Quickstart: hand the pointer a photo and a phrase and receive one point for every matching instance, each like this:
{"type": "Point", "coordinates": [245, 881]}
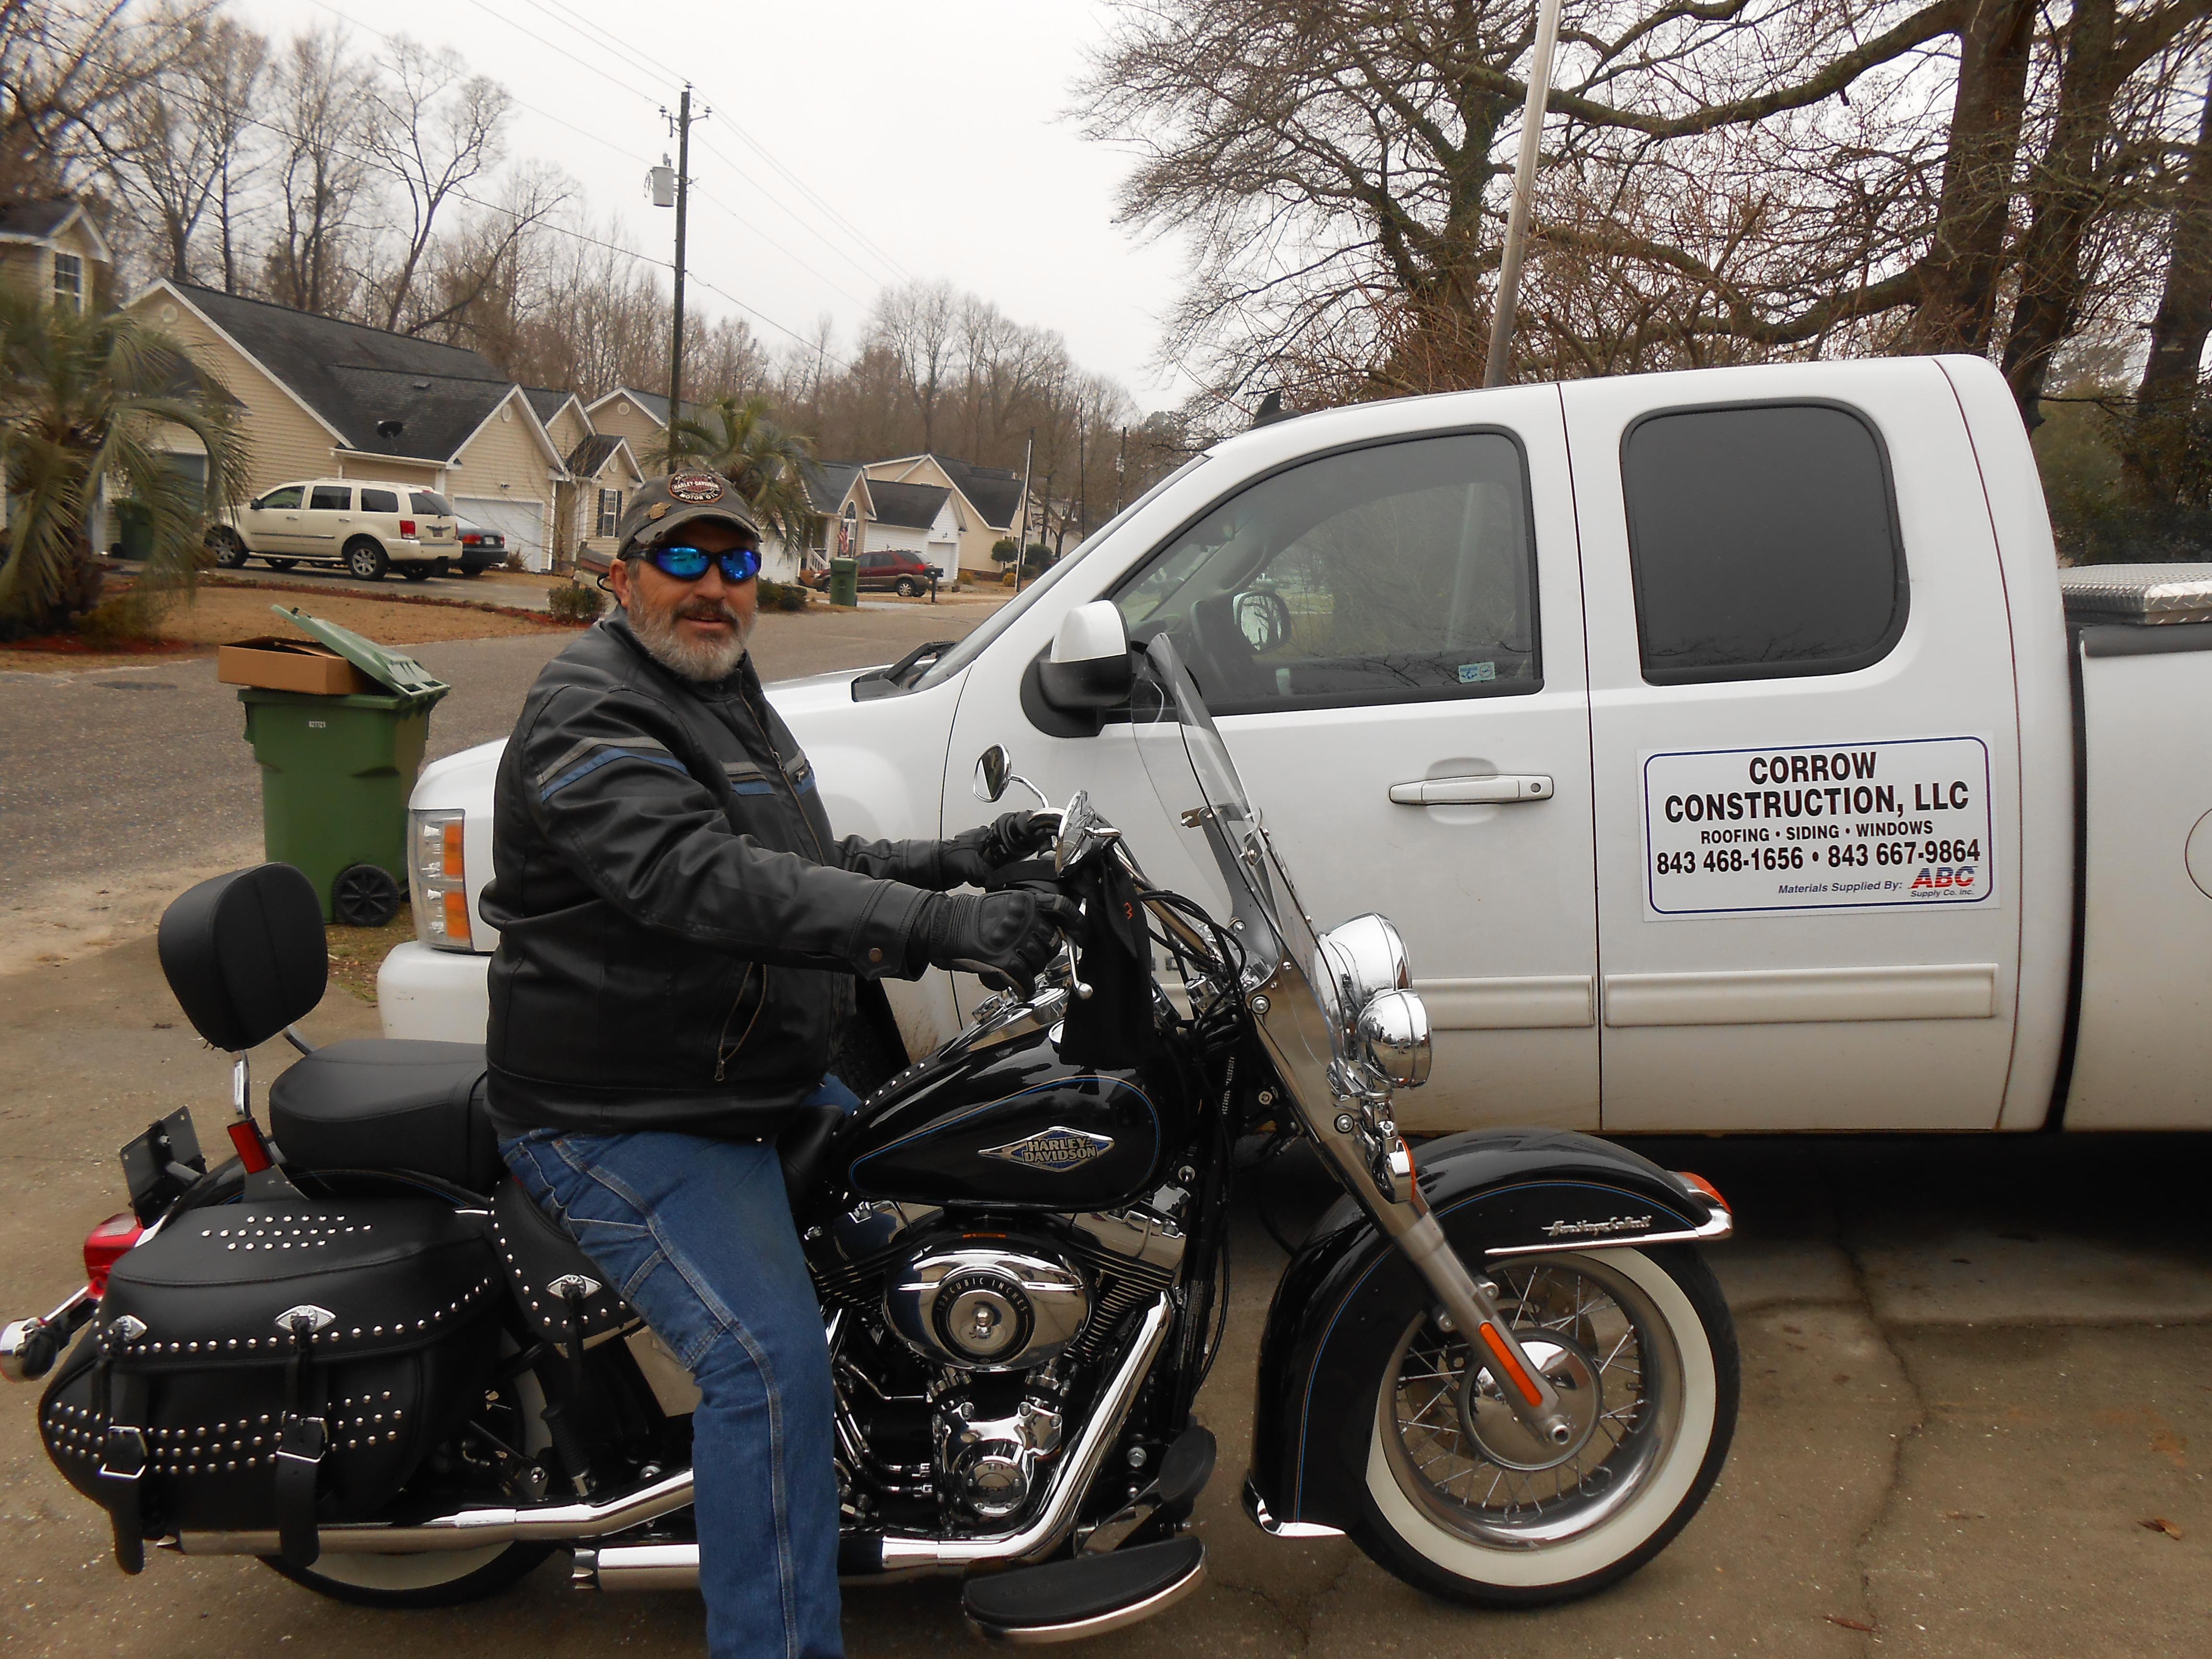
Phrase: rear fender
{"type": "Point", "coordinates": [1349, 1293]}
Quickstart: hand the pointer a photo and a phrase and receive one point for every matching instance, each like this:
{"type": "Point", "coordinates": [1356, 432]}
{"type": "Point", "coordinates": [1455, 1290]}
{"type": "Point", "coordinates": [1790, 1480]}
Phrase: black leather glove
{"type": "Point", "coordinates": [1005, 938]}
{"type": "Point", "coordinates": [971, 858]}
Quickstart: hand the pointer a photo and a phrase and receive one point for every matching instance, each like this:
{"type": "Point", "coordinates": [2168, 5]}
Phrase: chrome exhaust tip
{"type": "Point", "coordinates": [637, 1567]}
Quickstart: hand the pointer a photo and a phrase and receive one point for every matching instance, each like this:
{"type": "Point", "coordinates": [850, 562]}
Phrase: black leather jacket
{"type": "Point", "coordinates": [678, 928]}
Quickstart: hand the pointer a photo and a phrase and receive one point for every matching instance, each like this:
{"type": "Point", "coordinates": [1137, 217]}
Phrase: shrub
{"type": "Point", "coordinates": [781, 596]}
{"type": "Point", "coordinates": [132, 619]}
{"type": "Point", "coordinates": [574, 603]}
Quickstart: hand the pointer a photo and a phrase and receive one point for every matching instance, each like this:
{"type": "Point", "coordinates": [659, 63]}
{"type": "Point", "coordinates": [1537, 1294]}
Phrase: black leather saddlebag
{"type": "Point", "coordinates": [272, 1364]}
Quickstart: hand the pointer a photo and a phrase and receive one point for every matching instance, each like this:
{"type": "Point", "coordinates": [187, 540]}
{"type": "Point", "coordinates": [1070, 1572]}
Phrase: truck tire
{"type": "Point", "coordinates": [365, 559]}
{"type": "Point", "coordinates": [1463, 1503]}
{"type": "Point", "coordinates": [229, 549]}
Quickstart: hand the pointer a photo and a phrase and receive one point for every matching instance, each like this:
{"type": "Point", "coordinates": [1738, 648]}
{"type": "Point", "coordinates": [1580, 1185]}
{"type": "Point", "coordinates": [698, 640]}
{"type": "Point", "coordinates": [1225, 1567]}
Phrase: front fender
{"type": "Point", "coordinates": [1349, 1293]}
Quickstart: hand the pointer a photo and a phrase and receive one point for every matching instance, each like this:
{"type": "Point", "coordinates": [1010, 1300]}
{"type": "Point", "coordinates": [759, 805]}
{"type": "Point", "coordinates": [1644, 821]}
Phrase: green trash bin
{"type": "Point", "coordinates": [336, 773]}
{"type": "Point", "coordinates": [134, 530]}
{"type": "Point", "coordinates": [845, 580]}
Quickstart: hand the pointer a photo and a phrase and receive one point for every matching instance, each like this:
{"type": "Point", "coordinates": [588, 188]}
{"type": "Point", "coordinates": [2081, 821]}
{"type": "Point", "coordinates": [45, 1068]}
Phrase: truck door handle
{"type": "Point", "coordinates": [1472, 791]}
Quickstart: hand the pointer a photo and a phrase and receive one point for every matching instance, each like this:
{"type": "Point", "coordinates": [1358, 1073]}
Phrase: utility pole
{"type": "Point", "coordinates": [1120, 470]}
{"type": "Point", "coordinates": [1524, 181]}
{"type": "Point", "coordinates": [680, 126]}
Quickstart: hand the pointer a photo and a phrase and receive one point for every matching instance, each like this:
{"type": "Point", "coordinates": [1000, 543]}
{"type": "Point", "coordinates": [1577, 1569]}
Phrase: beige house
{"type": "Point", "coordinates": [326, 398]}
{"type": "Point", "coordinates": [606, 474]}
{"type": "Point", "coordinates": [53, 249]}
{"type": "Point", "coordinates": [985, 505]}
{"type": "Point", "coordinates": [639, 418]}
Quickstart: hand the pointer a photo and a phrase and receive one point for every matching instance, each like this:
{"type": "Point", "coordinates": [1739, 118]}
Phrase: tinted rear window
{"type": "Point", "coordinates": [430, 504]}
{"type": "Point", "coordinates": [380, 501]}
{"type": "Point", "coordinates": [330, 498]}
{"type": "Point", "coordinates": [1764, 543]}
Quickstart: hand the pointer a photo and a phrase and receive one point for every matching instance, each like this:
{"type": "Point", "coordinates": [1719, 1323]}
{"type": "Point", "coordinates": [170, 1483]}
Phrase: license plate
{"type": "Point", "coordinates": [437, 534]}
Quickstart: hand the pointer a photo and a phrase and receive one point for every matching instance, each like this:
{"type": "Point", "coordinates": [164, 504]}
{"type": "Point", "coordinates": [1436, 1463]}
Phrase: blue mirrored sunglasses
{"type": "Point", "coordinates": [687, 564]}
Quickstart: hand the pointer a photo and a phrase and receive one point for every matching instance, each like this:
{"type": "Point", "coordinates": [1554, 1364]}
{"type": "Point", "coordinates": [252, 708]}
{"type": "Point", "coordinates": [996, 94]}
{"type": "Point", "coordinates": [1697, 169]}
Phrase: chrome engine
{"type": "Point", "coordinates": [983, 1334]}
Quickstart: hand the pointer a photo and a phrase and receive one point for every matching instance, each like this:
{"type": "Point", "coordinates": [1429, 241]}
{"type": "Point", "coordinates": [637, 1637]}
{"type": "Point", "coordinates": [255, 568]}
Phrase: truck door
{"type": "Point", "coordinates": [271, 524]}
{"type": "Point", "coordinates": [1806, 752]}
{"type": "Point", "coordinates": [1390, 633]}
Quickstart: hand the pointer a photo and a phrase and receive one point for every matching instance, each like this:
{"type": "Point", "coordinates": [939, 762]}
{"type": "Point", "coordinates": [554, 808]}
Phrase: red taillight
{"type": "Point", "coordinates": [407, 526]}
{"type": "Point", "coordinates": [472, 540]}
{"type": "Point", "coordinates": [1703, 1186]}
{"type": "Point", "coordinates": [104, 1247]}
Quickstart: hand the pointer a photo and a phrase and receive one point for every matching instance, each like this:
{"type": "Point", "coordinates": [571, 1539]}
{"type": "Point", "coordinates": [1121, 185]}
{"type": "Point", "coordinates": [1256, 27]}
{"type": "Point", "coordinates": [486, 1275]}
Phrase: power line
{"type": "Point", "coordinates": [801, 185]}
{"type": "Point", "coordinates": [868, 273]}
{"type": "Point", "coordinates": [578, 24]}
{"type": "Point", "coordinates": [770, 240]}
{"type": "Point", "coordinates": [597, 69]}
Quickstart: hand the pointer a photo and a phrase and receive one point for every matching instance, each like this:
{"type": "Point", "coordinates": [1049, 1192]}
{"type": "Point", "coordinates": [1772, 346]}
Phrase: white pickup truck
{"type": "Point", "coordinates": [1722, 742]}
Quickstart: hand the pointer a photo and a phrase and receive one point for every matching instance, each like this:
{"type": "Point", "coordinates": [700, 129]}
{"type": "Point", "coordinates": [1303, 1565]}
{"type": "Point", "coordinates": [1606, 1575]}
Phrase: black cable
{"type": "Point", "coordinates": [1273, 1149]}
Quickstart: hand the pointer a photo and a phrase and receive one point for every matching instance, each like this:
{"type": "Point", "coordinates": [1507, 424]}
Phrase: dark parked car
{"type": "Point", "coordinates": [905, 573]}
{"type": "Point", "coordinates": [480, 549]}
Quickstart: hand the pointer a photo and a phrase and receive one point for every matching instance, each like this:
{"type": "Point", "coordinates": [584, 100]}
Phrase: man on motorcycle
{"type": "Point", "coordinates": [680, 939]}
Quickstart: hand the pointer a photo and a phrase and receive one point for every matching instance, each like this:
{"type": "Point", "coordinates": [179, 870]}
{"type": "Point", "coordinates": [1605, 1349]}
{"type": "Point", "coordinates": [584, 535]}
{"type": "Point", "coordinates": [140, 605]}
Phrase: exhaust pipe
{"type": "Point", "coordinates": [470, 1529]}
{"type": "Point", "coordinates": [676, 1566]}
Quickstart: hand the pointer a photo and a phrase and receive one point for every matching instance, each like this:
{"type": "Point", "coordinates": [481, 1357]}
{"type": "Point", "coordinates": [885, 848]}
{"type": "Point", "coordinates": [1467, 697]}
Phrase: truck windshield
{"type": "Point", "coordinates": [973, 646]}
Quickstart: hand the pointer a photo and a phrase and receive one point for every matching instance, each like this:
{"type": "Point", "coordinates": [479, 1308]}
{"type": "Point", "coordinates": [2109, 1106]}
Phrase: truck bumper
{"type": "Point", "coordinates": [435, 996]}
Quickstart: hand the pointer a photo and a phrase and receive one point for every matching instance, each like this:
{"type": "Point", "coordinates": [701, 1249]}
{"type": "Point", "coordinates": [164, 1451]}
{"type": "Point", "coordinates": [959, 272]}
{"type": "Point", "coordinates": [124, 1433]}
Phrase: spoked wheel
{"type": "Point", "coordinates": [229, 552]}
{"type": "Point", "coordinates": [909, 588]}
{"type": "Point", "coordinates": [509, 1421]}
{"type": "Point", "coordinates": [1464, 1502]}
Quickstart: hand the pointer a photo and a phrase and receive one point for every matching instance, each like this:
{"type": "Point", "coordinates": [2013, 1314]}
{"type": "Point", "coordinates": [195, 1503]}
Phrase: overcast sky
{"type": "Point", "coordinates": [934, 132]}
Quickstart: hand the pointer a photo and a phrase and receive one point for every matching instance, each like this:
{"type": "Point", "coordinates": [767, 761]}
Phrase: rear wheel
{"type": "Point", "coordinates": [909, 588]}
{"type": "Point", "coordinates": [1463, 1502]}
{"type": "Point", "coordinates": [365, 559]}
{"type": "Point", "coordinates": [444, 1578]}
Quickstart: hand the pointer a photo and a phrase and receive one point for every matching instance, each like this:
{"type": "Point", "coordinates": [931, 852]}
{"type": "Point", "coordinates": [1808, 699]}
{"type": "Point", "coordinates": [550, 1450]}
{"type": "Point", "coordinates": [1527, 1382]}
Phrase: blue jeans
{"type": "Point", "coordinates": [698, 1234]}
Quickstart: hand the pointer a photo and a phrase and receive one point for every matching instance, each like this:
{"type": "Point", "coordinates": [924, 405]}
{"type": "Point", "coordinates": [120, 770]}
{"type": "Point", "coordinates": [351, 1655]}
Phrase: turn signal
{"type": "Point", "coordinates": [104, 1247]}
{"type": "Point", "coordinates": [1703, 1186]}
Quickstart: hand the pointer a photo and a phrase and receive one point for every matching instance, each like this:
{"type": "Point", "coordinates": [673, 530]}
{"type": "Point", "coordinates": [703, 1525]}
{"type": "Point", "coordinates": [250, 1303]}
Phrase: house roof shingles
{"type": "Point", "coordinates": [827, 483]}
{"type": "Point", "coordinates": [34, 218]}
{"type": "Point", "coordinates": [995, 491]}
{"type": "Point", "coordinates": [593, 454]}
{"type": "Point", "coordinates": [354, 376]}
{"type": "Point", "coordinates": [545, 401]}
{"type": "Point", "coordinates": [910, 506]}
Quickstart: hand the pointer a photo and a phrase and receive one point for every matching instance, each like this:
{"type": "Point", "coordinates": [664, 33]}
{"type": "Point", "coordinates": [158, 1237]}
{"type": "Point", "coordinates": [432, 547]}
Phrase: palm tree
{"type": "Point", "coordinates": [84, 397]}
{"type": "Point", "coordinates": [740, 441]}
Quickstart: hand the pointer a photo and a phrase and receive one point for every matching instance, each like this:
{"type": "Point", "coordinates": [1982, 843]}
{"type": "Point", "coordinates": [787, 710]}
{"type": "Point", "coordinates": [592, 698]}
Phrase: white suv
{"type": "Point", "coordinates": [363, 526]}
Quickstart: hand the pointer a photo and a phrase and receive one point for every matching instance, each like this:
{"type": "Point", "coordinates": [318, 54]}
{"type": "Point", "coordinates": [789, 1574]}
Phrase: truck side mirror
{"type": "Point", "coordinates": [1088, 668]}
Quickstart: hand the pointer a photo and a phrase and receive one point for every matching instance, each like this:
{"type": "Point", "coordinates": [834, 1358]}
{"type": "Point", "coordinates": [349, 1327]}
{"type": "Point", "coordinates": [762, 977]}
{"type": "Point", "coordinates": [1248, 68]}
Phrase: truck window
{"type": "Point", "coordinates": [279, 500]}
{"type": "Point", "coordinates": [429, 504]}
{"type": "Point", "coordinates": [1392, 572]}
{"type": "Point", "coordinates": [330, 498]}
{"type": "Point", "coordinates": [378, 501]}
{"type": "Point", "coordinates": [1764, 543]}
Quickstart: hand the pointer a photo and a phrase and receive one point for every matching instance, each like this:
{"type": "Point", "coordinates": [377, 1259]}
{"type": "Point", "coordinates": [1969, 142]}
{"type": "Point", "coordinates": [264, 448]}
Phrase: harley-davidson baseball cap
{"type": "Point", "coordinates": [676, 499]}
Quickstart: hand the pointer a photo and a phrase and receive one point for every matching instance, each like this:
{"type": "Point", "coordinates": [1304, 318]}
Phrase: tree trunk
{"type": "Point", "coordinates": [1959, 277]}
{"type": "Point", "coordinates": [2065, 188]}
{"type": "Point", "coordinates": [2156, 450]}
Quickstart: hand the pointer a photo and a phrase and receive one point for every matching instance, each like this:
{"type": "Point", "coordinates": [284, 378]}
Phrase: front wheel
{"type": "Point", "coordinates": [1463, 1502]}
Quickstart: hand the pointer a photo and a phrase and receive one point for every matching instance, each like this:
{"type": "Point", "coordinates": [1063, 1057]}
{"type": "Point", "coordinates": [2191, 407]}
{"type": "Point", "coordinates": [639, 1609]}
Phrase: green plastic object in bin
{"type": "Point", "coordinates": [336, 773]}
{"type": "Point", "coordinates": [845, 580]}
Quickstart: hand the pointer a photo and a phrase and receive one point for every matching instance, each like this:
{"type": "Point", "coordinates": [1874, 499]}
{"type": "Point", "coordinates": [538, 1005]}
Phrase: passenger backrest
{"type": "Point", "coordinates": [246, 954]}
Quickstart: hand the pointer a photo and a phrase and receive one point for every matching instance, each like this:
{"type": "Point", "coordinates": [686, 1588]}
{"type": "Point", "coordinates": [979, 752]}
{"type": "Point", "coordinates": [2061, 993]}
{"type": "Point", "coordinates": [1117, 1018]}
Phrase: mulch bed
{"type": "Point", "coordinates": [524, 614]}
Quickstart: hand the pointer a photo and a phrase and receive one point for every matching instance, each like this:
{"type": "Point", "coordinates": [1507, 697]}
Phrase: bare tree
{"type": "Point", "coordinates": [181, 151]}
{"type": "Point", "coordinates": [2170, 419]}
{"type": "Point", "coordinates": [917, 322]}
{"type": "Point", "coordinates": [323, 176]}
{"type": "Point", "coordinates": [436, 128]}
{"type": "Point", "coordinates": [66, 66]}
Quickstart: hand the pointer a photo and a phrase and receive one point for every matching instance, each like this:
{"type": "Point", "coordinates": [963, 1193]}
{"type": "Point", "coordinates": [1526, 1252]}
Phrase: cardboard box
{"type": "Point", "coordinates": [278, 665]}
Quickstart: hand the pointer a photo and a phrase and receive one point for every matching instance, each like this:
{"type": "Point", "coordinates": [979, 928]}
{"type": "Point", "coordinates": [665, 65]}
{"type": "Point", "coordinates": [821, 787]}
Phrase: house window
{"type": "Point", "coordinates": [69, 280]}
{"type": "Point", "coordinates": [609, 511]}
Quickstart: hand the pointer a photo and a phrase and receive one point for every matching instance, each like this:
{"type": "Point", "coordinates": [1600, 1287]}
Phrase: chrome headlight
{"type": "Point", "coordinates": [1392, 1036]}
{"type": "Point", "coordinates": [1356, 963]}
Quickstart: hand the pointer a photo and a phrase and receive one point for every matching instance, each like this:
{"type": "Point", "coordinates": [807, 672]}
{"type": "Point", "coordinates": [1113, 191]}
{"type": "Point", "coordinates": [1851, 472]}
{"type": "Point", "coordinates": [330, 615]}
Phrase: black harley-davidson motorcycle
{"type": "Point", "coordinates": [357, 1351]}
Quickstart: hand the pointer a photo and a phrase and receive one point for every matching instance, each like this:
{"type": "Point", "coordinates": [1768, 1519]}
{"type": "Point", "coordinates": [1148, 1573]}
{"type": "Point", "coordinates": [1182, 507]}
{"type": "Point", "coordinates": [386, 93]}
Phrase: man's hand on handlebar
{"type": "Point", "coordinates": [973, 856]}
{"type": "Point", "coordinates": [1005, 938]}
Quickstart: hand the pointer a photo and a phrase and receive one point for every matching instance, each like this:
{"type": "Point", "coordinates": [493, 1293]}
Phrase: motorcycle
{"type": "Point", "coordinates": [1499, 1364]}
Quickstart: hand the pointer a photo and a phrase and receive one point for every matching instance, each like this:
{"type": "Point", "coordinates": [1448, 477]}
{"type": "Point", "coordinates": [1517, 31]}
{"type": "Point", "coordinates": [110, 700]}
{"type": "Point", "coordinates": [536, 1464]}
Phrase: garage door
{"type": "Point", "coordinates": [523, 524]}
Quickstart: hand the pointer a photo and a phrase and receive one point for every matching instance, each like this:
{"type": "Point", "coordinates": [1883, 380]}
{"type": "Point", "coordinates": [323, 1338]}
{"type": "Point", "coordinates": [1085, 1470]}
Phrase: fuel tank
{"type": "Point", "coordinates": [1013, 1127]}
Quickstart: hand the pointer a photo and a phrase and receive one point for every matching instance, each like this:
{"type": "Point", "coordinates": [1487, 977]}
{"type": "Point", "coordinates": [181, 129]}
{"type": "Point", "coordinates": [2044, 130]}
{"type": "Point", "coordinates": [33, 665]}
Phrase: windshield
{"type": "Point", "coordinates": [971, 647]}
{"type": "Point", "coordinates": [1189, 768]}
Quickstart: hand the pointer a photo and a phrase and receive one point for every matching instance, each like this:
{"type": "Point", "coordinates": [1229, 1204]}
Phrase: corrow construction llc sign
{"type": "Point", "coordinates": [1837, 826]}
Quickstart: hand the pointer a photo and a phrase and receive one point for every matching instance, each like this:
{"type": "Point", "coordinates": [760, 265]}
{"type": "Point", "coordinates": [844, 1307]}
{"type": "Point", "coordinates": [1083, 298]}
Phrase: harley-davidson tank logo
{"type": "Point", "coordinates": [1619, 1224]}
{"type": "Point", "coordinates": [1056, 1150]}
{"type": "Point", "coordinates": [695, 487]}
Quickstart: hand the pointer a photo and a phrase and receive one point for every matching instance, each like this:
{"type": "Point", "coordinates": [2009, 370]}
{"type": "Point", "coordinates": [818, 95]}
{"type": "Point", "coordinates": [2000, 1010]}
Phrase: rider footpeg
{"type": "Point", "coordinates": [1066, 1600]}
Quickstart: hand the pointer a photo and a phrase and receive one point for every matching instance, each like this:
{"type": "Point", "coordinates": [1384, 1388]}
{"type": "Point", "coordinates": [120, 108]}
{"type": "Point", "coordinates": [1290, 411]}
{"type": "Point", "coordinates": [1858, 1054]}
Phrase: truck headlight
{"type": "Point", "coordinates": [439, 866]}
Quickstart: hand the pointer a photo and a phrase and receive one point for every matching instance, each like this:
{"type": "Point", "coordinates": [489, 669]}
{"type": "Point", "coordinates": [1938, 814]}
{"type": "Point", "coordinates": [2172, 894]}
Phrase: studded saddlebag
{"type": "Point", "coordinates": [268, 1365]}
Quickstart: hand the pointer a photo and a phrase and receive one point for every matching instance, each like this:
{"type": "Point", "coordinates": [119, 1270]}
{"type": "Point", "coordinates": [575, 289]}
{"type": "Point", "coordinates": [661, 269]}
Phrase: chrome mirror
{"type": "Point", "coordinates": [994, 770]}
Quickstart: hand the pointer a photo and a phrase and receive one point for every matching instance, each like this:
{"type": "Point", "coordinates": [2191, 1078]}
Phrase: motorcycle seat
{"type": "Point", "coordinates": [388, 1104]}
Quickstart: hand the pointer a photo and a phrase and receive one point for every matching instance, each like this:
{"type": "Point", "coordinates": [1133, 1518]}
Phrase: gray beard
{"type": "Point", "coordinates": [702, 661]}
